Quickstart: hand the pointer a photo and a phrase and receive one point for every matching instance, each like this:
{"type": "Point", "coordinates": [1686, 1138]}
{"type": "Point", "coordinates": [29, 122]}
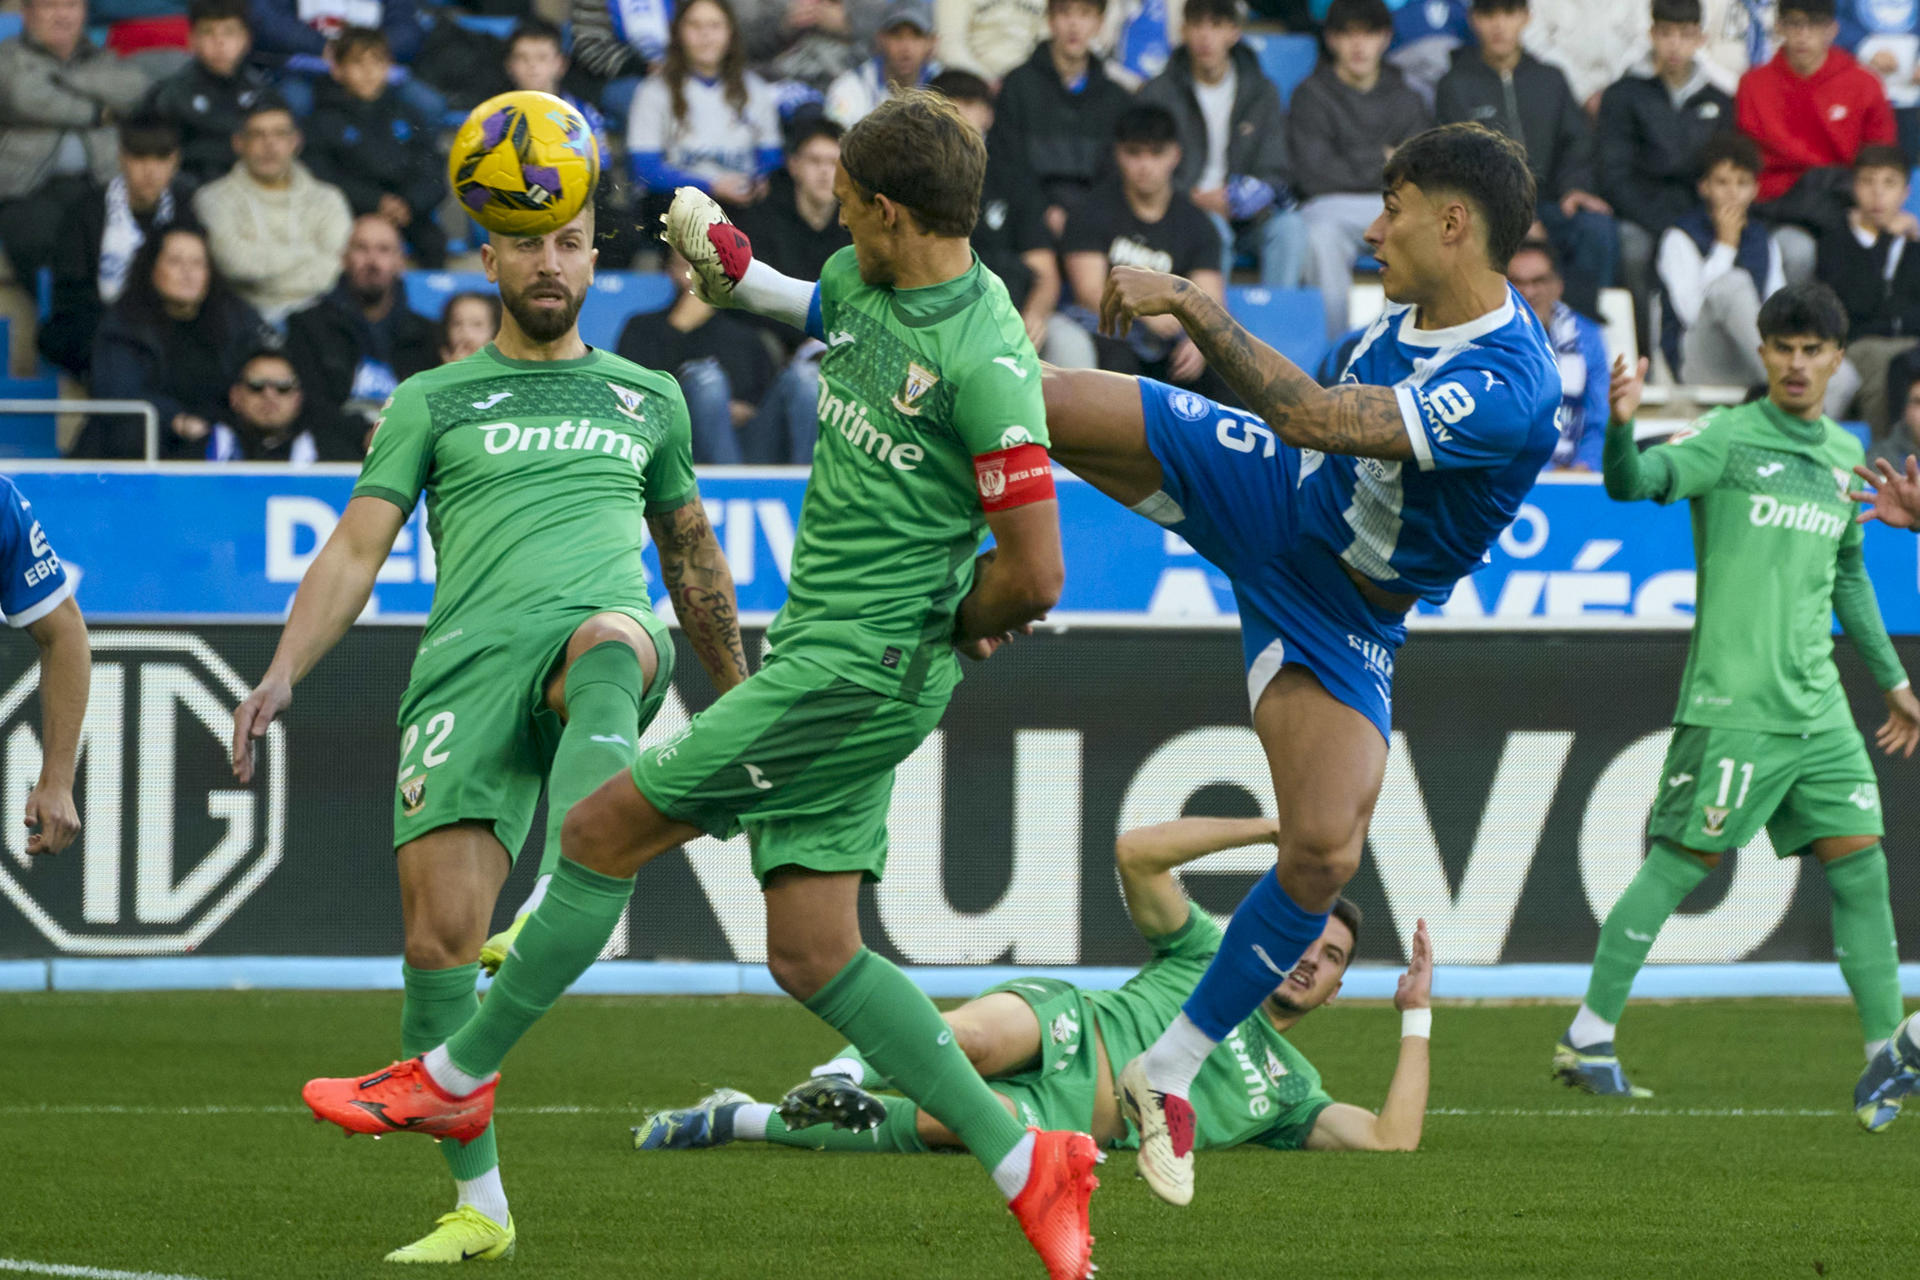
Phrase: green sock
{"type": "Point", "coordinates": [897, 1133]}
{"type": "Point", "coordinates": [906, 1040]}
{"type": "Point", "coordinates": [437, 1002]}
{"type": "Point", "coordinates": [602, 734]}
{"type": "Point", "coordinates": [1863, 938]}
{"type": "Point", "coordinates": [561, 938]}
{"type": "Point", "coordinates": [1664, 879]}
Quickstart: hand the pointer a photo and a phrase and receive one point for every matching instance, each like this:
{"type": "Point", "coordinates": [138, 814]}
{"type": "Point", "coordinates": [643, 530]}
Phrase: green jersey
{"type": "Point", "coordinates": [538, 477]}
{"type": "Point", "coordinates": [1255, 1088]}
{"type": "Point", "coordinates": [913, 385]}
{"type": "Point", "coordinates": [1777, 554]}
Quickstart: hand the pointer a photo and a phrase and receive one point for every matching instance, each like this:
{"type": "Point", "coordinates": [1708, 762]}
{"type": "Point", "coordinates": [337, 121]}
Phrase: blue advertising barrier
{"type": "Point", "coordinates": [230, 544]}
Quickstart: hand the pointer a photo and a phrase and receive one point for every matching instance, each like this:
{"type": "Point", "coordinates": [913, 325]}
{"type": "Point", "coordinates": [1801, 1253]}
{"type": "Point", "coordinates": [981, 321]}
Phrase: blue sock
{"type": "Point", "coordinates": [1267, 936]}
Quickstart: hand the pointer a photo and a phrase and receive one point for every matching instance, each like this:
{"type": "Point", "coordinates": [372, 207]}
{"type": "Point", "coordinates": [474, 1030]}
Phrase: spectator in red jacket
{"type": "Point", "coordinates": [1811, 109]}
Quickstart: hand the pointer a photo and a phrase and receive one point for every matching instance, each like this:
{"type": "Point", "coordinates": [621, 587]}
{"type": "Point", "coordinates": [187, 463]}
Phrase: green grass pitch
{"type": "Point", "coordinates": [163, 1133]}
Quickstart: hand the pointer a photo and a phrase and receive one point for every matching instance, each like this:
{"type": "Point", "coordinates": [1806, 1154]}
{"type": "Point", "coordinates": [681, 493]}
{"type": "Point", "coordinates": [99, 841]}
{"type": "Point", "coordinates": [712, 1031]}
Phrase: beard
{"type": "Point", "coordinates": [541, 324]}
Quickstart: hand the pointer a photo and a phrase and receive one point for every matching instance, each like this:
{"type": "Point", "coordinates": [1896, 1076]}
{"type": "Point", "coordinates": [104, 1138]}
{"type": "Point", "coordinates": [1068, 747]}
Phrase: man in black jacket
{"type": "Point", "coordinates": [1873, 263]}
{"type": "Point", "coordinates": [102, 232]}
{"type": "Point", "coordinates": [1653, 122]}
{"type": "Point", "coordinates": [1233, 142]}
{"type": "Point", "coordinates": [366, 139]}
{"type": "Point", "coordinates": [1500, 85]}
{"type": "Point", "coordinates": [1057, 111]}
{"type": "Point", "coordinates": [356, 344]}
{"type": "Point", "coordinates": [796, 228]}
{"type": "Point", "coordinates": [1347, 117]}
{"type": "Point", "coordinates": [1011, 235]}
{"type": "Point", "coordinates": [208, 99]}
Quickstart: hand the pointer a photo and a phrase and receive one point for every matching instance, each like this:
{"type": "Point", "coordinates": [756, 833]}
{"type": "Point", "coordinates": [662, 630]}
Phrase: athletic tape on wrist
{"type": "Point", "coordinates": [1416, 1022]}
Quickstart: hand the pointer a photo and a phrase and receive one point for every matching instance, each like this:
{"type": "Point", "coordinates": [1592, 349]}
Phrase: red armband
{"type": "Point", "coordinates": [1009, 478]}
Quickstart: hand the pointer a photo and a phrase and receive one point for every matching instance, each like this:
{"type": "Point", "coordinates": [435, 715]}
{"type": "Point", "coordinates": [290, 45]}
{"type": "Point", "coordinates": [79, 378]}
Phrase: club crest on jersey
{"type": "Point", "coordinates": [1843, 478]}
{"type": "Point", "coordinates": [1275, 1067]}
{"type": "Point", "coordinates": [919, 382]}
{"type": "Point", "coordinates": [629, 401]}
{"type": "Point", "coordinates": [1064, 1028]}
{"type": "Point", "coordinates": [413, 796]}
{"type": "Point", "coordinates": [1866, 796]}
{"type": "Point", "coordinates": [1716, 823]}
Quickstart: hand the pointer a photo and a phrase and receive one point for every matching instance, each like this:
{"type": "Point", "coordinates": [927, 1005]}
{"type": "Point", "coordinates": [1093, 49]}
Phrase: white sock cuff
{"type": "Point", "coordinates": [845, 1068]}
{"type": "Point", "coordinates": [750, 1121]}
{"type": "Point", "coordinates": [485, 1194]}
{"type": "Point", "coordinates": [451, 1078]}
{"type": "Point", "coordinates": [1177, 1056]}
{"type": "Point", "coordinates": [1589, 1028]}
{"type": "Point", "coordinates": [1011, 1174]}
{"type": "Point", "coordinates": [768, 292]}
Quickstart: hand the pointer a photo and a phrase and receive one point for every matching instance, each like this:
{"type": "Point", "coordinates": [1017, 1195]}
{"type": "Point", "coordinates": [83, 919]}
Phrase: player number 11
{"type": "Point", "coordinates": [1727, 766]}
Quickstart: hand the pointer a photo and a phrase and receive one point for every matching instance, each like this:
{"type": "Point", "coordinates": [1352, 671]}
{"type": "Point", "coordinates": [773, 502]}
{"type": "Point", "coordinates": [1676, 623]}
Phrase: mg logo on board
{"type": "Point", "coordinates": [172, 846]}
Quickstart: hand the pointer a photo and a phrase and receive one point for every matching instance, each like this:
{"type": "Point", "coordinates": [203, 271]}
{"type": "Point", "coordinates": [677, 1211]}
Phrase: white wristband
{"type": "Point", "coordinates": [1416, 1022]}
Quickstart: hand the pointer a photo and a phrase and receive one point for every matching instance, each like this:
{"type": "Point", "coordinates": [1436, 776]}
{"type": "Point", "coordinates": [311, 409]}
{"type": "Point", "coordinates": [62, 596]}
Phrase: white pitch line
{"type": "Point", "coordinates": [1602, 1112]}
{"type": "Point", "coordinates": [21, 1266]}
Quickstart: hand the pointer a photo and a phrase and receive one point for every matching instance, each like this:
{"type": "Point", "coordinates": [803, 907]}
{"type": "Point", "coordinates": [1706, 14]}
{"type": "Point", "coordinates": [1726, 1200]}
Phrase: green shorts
{"type": "Point", "coordinates": [1720, 786]}
{"type": "Point", "coordinates": [800, 759]}
{"type": "Point", "coordinates": [1057, 1092]}
{"type": "Point", "coordinates": [476, 735]}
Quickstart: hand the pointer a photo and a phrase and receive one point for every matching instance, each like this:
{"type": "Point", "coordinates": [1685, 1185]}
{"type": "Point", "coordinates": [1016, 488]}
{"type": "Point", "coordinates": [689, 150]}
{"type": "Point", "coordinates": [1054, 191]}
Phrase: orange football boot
{"type": "Point", "coordinates": [1052, 1207]}
{"type": "Point", "coordinates": [401, 1099]}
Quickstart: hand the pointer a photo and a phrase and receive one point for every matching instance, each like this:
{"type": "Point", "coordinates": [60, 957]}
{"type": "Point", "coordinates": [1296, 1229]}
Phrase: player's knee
{"type": "Point", "coordinates": [800, 972]}
{"type": "Point", "coordinates": [438, 944]}
{"type": "Point", "coordinates": [606, 628]}
{"type": "Point", "coordinates": [975, 1041]}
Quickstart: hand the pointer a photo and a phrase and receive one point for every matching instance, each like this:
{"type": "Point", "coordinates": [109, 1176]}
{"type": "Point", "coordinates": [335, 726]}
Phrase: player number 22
{"type": "Point", "coordinates": [439, 729]}
{"type": "Point", "coordinates": [1727, 767]}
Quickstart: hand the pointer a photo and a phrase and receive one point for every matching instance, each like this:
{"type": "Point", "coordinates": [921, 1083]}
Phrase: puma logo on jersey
{"type": "Point", "coordinates": [1013, 366]}
{"type": "Point", "coordinates": [757, 778]}
{"type": "Point", "coordinates": [1679, 779]}
{"type": "Point", "coordinates": [839, 338]}
{"type": "Point", "coordinates": [492, 400]}
{"type": "Point", "coordinates": [1771, 469]}
{"type": "Point", "coordinates": [1492, 381]}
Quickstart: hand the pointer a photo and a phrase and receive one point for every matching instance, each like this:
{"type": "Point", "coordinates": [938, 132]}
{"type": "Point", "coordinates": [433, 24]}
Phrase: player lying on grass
{"type": "Point", "coordinates": [1763, 735]}
{"type": "Point", "coordinates": [1333, 511]}
{"type": "Point", "coordinates": [1047, 1048]}
{"type": "Point", "coordinates": [544, 464]}
{"type": "Point", "coordinates": [932, 432]}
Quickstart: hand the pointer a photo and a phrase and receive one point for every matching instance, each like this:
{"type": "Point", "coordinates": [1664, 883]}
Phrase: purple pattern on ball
{"type": "Point", "coordinates": [541, 176]}
{"type": "Point", "coordinates": [494, 128]}
{"type": "Point", "coordinates": [475, 198]}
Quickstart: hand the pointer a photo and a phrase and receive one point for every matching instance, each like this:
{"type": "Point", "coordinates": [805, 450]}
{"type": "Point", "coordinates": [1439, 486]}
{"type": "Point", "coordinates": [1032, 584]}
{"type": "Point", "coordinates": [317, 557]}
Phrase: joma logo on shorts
{"type": "Point", "coordinates": [849, 418]}
{"type": "Point", "coordinates": [584, 437]}
{"type": "Point", "coordinates": [1803, 517]}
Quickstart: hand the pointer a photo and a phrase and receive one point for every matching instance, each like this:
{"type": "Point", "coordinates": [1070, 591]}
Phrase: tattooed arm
{"type": "Point", "coordinates": [697, 577]}
{"type": "Point", "coordinates": [1360, 421]}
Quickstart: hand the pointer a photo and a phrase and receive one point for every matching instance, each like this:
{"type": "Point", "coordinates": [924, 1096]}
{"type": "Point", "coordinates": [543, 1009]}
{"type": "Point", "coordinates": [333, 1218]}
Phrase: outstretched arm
{"type": "Point", "coordinates": [331, 596]}
{"type": "Point", "coordinates": [1146, 857]}
{"type": "Point", "coordinates": [1342, 1127]}
{"type": "Point", "coordinates": [1352, 419]}
{"type": "Point", "coordinates": [697, 577]}
{"type": "Point", "coordinates": [725, 272]}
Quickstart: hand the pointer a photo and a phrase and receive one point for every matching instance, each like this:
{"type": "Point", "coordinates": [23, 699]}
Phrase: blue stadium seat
{"type": "Point", "coordinates": [1286, 60]}
{"type": "Point", "coordinates": [10, 24]}
{"type": "Point", "coordinates": [30, 435]}
{"type": "Point", "coordinates": [615, 296]}
{"type": "Point", "coordinates": [1859, 431]}
{"type": "Point", "coordinates": [1291, 321]}
{"type": "Point", "coordinates": [1913, 194]}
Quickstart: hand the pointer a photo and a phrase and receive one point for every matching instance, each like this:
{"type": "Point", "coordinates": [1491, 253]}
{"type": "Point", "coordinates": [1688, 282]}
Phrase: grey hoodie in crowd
{"type": "Point", "coordinates": [1340, 136]}
{"type": "Point", "coordinates": [43, 99]}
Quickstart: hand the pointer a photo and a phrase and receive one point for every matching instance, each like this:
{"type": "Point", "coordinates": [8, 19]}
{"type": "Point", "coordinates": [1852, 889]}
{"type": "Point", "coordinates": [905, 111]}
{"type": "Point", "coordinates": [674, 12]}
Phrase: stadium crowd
{"type": "Point", "coordinates": [226, 194]}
